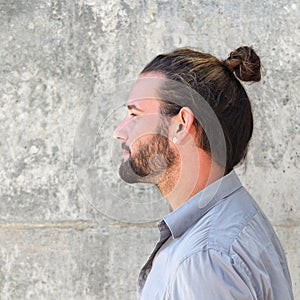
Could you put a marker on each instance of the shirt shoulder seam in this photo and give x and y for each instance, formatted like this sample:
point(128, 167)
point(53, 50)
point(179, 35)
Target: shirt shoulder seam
point(186, 258)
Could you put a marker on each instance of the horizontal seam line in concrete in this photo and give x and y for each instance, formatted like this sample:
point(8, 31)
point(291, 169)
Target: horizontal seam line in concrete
point(127, 224)
point(288, 223)
point(86, 224)
point(75, 224)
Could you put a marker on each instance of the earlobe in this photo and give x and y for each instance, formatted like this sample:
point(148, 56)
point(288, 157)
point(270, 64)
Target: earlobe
point(185, 118)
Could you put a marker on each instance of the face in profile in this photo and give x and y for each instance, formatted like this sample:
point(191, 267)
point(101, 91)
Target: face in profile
point(147, 152)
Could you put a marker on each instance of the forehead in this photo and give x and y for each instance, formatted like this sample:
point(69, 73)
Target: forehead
point(144, 94)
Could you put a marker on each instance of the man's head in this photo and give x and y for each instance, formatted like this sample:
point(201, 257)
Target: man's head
point(147, 151)
point(174, 85)
point(216, 82)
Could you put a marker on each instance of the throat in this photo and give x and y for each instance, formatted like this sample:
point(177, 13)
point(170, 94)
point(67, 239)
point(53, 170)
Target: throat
point(185, 179)
point(169, 181)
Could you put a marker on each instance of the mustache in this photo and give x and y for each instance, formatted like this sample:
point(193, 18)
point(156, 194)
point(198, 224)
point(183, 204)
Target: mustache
point(125, 147)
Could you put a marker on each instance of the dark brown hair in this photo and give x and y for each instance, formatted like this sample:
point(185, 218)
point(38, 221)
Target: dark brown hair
point(217, 82)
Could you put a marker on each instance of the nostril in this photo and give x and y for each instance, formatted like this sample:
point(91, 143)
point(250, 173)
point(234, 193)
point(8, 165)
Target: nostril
point(118, 135)
point(121, 132)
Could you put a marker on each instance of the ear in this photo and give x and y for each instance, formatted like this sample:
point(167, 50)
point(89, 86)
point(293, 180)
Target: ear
point(185, 119)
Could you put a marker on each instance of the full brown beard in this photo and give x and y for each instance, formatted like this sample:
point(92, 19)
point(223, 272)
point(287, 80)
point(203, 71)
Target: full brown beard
point(150, 162)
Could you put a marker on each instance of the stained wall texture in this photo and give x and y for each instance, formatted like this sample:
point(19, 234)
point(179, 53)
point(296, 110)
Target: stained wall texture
point(69, 228)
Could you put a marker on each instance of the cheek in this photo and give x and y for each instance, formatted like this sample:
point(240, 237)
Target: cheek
point(140, 138)
point(141, 143)
point(145, 125)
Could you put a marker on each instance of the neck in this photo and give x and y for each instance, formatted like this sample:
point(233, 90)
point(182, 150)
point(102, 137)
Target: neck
point(192, 173)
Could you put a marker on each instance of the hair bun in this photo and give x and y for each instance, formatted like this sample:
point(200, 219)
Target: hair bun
point(245, 64)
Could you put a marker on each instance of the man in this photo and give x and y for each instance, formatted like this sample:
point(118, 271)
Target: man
point(189, 123)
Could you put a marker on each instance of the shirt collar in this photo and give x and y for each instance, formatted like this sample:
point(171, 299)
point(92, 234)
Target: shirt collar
point(191, 211)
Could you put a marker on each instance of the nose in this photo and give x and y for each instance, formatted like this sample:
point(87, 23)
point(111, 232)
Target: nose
point(121, 133)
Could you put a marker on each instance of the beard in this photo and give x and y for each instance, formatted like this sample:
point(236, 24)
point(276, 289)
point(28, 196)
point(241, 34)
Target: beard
point(150, 162)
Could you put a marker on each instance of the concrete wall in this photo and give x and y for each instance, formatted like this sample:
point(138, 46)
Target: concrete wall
point(69, 229)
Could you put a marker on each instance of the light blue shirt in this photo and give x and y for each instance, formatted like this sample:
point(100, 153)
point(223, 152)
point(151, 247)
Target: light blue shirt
point(217, 245)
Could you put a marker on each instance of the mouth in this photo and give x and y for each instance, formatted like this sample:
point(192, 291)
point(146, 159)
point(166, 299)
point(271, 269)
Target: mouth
point(125, 155)
point(126, 151)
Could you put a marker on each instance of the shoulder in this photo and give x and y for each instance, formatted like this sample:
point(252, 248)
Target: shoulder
point(212, 273)
point(231, 217)
point(222, 224)
point(234, 244)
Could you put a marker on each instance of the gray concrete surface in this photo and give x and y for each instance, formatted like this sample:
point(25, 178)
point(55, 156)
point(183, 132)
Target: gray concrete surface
point(68, 227)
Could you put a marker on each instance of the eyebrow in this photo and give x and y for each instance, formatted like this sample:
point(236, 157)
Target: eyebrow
point(132, 106)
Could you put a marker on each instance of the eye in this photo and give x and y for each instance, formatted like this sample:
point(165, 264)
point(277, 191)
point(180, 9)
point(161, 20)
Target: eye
point(133, 115)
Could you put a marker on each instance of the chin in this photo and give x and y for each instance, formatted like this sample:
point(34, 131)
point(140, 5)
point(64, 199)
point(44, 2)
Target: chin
point(131, 174)
point(127, 173)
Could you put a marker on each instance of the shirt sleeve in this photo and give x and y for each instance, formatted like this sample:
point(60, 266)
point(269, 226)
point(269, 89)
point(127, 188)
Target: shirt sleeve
point(209, 275)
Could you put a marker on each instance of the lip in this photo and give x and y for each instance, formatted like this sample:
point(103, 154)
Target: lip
point(126, 151)
point(125, 154)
